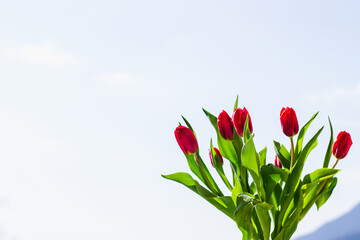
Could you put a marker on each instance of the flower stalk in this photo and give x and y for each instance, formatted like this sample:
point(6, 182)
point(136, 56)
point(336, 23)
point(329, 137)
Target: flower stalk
point(292, 152)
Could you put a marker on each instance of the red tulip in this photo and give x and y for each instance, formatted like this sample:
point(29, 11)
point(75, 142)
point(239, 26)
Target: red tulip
point(225, 126)
point(342, 145)
point(239, 119)
point(277, 162)
point(186, 140)
point(289, 122)
point(217, 154)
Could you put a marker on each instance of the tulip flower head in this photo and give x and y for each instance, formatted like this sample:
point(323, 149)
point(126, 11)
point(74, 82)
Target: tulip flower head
point(217, 152)
point(342, 145)
point(289, 122)
point(239, 119)
point(186, 140)
point(225, 126)
point(277, 162)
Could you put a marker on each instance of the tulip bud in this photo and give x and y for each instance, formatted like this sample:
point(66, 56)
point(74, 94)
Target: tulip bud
point(225, 126)
point(342, 145)
point(186, 140)
point(217, 152)
point(289, 122)
point(277, 162)
point(239, 119)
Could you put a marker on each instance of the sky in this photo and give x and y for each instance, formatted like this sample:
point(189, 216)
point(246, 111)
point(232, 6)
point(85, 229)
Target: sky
point(91, 92)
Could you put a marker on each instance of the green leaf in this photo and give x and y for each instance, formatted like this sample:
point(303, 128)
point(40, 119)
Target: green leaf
point(280, 236)
point(269, 185)
point(245, 234)
point(271, 175)
point(283, 154)
point(275, 172)
point(292, 217)
point(227, 150)
point(249, 156)
point(329, 148)
point(313, 195)
point(194, 166)
point(264, 205)
point(243, 211)
point(236, 190)
point(275, 215)
point(249, 159)
point(298, 167)
point(224, 204)
point(212, 119)
point(262, 211)
point(301, 136)
point(183, 178)
point(298, 204)
point(211, 184)
point(188, 124)
point(320, 175)
point(309, 195)
point(294, 177)
point(237, 145)
point(312, 147)
point(290, 230)
point(247, 133)
point(252, 188)
point(257, 232)
point(262, 157)
point(286, 233)
point(242, 171)
point(236, 103)
point(278, 192)
point(325, 195)
point(313, 179)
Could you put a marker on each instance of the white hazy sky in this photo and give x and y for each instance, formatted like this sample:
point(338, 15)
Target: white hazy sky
point(91, 91)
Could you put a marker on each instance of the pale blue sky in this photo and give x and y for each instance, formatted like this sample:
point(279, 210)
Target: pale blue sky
point(91, 91)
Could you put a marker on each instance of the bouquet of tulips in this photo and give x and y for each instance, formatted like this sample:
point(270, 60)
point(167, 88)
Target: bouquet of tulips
point(267, 201)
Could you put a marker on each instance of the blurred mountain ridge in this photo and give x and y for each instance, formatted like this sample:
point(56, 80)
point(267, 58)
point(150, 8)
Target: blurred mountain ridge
point(345, 227)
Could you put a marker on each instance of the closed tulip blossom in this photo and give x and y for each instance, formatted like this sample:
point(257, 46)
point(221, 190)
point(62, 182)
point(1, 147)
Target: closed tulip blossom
point(186, 140)
point(225, 126)
point(290, 127)
point(217, 152)
point(342, 145)
point(277, 162)
point(289, 122)
point(239, 119)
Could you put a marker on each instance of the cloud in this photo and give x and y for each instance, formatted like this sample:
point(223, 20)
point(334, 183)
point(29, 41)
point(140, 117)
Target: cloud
point(43, 54)
point(335, 92)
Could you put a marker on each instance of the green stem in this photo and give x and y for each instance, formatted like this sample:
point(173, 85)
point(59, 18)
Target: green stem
point(215, 190)
point(224, 178)
point(292, 152)
point(233, 171)
point(337, 160)
point(322, 186)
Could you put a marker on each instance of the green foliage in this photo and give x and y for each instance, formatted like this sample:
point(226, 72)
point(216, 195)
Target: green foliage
point(224, 204)
point(283, 154)
point(329, 149)
point(265, 201)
